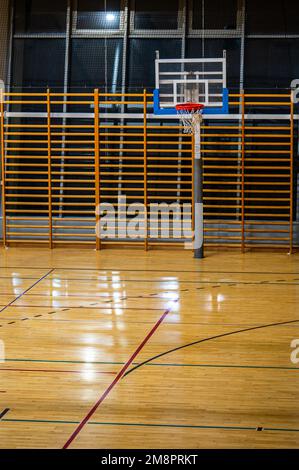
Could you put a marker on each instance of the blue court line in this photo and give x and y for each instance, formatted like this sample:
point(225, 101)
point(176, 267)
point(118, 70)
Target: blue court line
point(157, 364)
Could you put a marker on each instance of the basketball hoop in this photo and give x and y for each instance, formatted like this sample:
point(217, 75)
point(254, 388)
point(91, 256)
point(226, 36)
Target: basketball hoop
point(190, 114)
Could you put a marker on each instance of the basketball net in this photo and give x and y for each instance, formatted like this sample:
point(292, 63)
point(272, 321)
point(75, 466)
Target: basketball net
point(190, 115)
point(191, 118)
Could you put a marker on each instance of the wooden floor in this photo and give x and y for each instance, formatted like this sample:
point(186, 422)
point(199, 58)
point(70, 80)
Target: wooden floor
point(75, 321)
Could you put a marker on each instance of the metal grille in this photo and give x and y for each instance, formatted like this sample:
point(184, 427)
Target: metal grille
point(59, 164)
point(248, 175)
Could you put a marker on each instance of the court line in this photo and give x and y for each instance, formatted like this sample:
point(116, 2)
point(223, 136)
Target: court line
point(114, 321)
point(152, 270)
point(94, 296)
point(25, 291)
point(17, 320)
point(87, 307)
point(118, 377)
point(181, 281)
point(194, 426)
point(170, 271)
point(163, 425)
point(227, 366)
point(61, 361)
point(208, 284)
point(151, 296)
point(159, 281)
point(57, 371)
point(19, 277)
point(3, 413)
point(50, 421)
point(156, 364)
point(210, 338)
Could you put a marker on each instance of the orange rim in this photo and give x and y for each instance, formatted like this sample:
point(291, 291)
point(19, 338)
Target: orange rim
point(189, 107)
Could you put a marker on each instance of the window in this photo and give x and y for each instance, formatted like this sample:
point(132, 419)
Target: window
point(96, 63)
point(142, 59)
point(271, 63)
point(214, 48)
point(218, 14)
point(98, 14)
point(34, 16)
point(268, 17)
point(38, 62)
point(155, 14)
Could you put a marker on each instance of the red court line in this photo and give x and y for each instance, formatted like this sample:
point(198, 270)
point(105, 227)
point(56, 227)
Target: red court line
point(57, 371)
point(3, 413)
point(117, 378)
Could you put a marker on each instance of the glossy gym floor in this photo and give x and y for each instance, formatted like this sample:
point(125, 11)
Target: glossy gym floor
point(123, 348)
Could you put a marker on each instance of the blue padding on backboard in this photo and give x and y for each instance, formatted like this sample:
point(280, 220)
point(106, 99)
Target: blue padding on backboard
point(168, 111)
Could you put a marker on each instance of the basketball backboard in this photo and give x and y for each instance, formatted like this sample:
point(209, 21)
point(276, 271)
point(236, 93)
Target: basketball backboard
point(190, 80)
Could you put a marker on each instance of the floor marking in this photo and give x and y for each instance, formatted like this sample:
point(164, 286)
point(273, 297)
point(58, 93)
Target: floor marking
point(247, 428)
point(150, 270)
point(15, 420)
point(210, 338)
point(19, 277)
point(118, 377)
point(287, 282)
point(161, 280)
point(91, 308)
point(57, 371)
point(115, 321)
point(62, 361)
point(156, 296)
point(25, 291)
point(3, 413)
point(154, 425)
point(226, 366)
point(155, 364)
point(67, 309)
point(281, 429)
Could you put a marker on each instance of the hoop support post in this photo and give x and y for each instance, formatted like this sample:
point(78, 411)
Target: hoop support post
point(198, 195)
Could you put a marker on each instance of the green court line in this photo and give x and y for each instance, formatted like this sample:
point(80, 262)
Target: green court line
point(13, 420)
point(192, 426)
point(62, 361)
point(225, 366)
point(282, 429)
point(158, 364)
point(248, 428)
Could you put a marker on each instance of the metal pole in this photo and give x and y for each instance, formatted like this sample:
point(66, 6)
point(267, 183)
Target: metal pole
point(198, 195)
